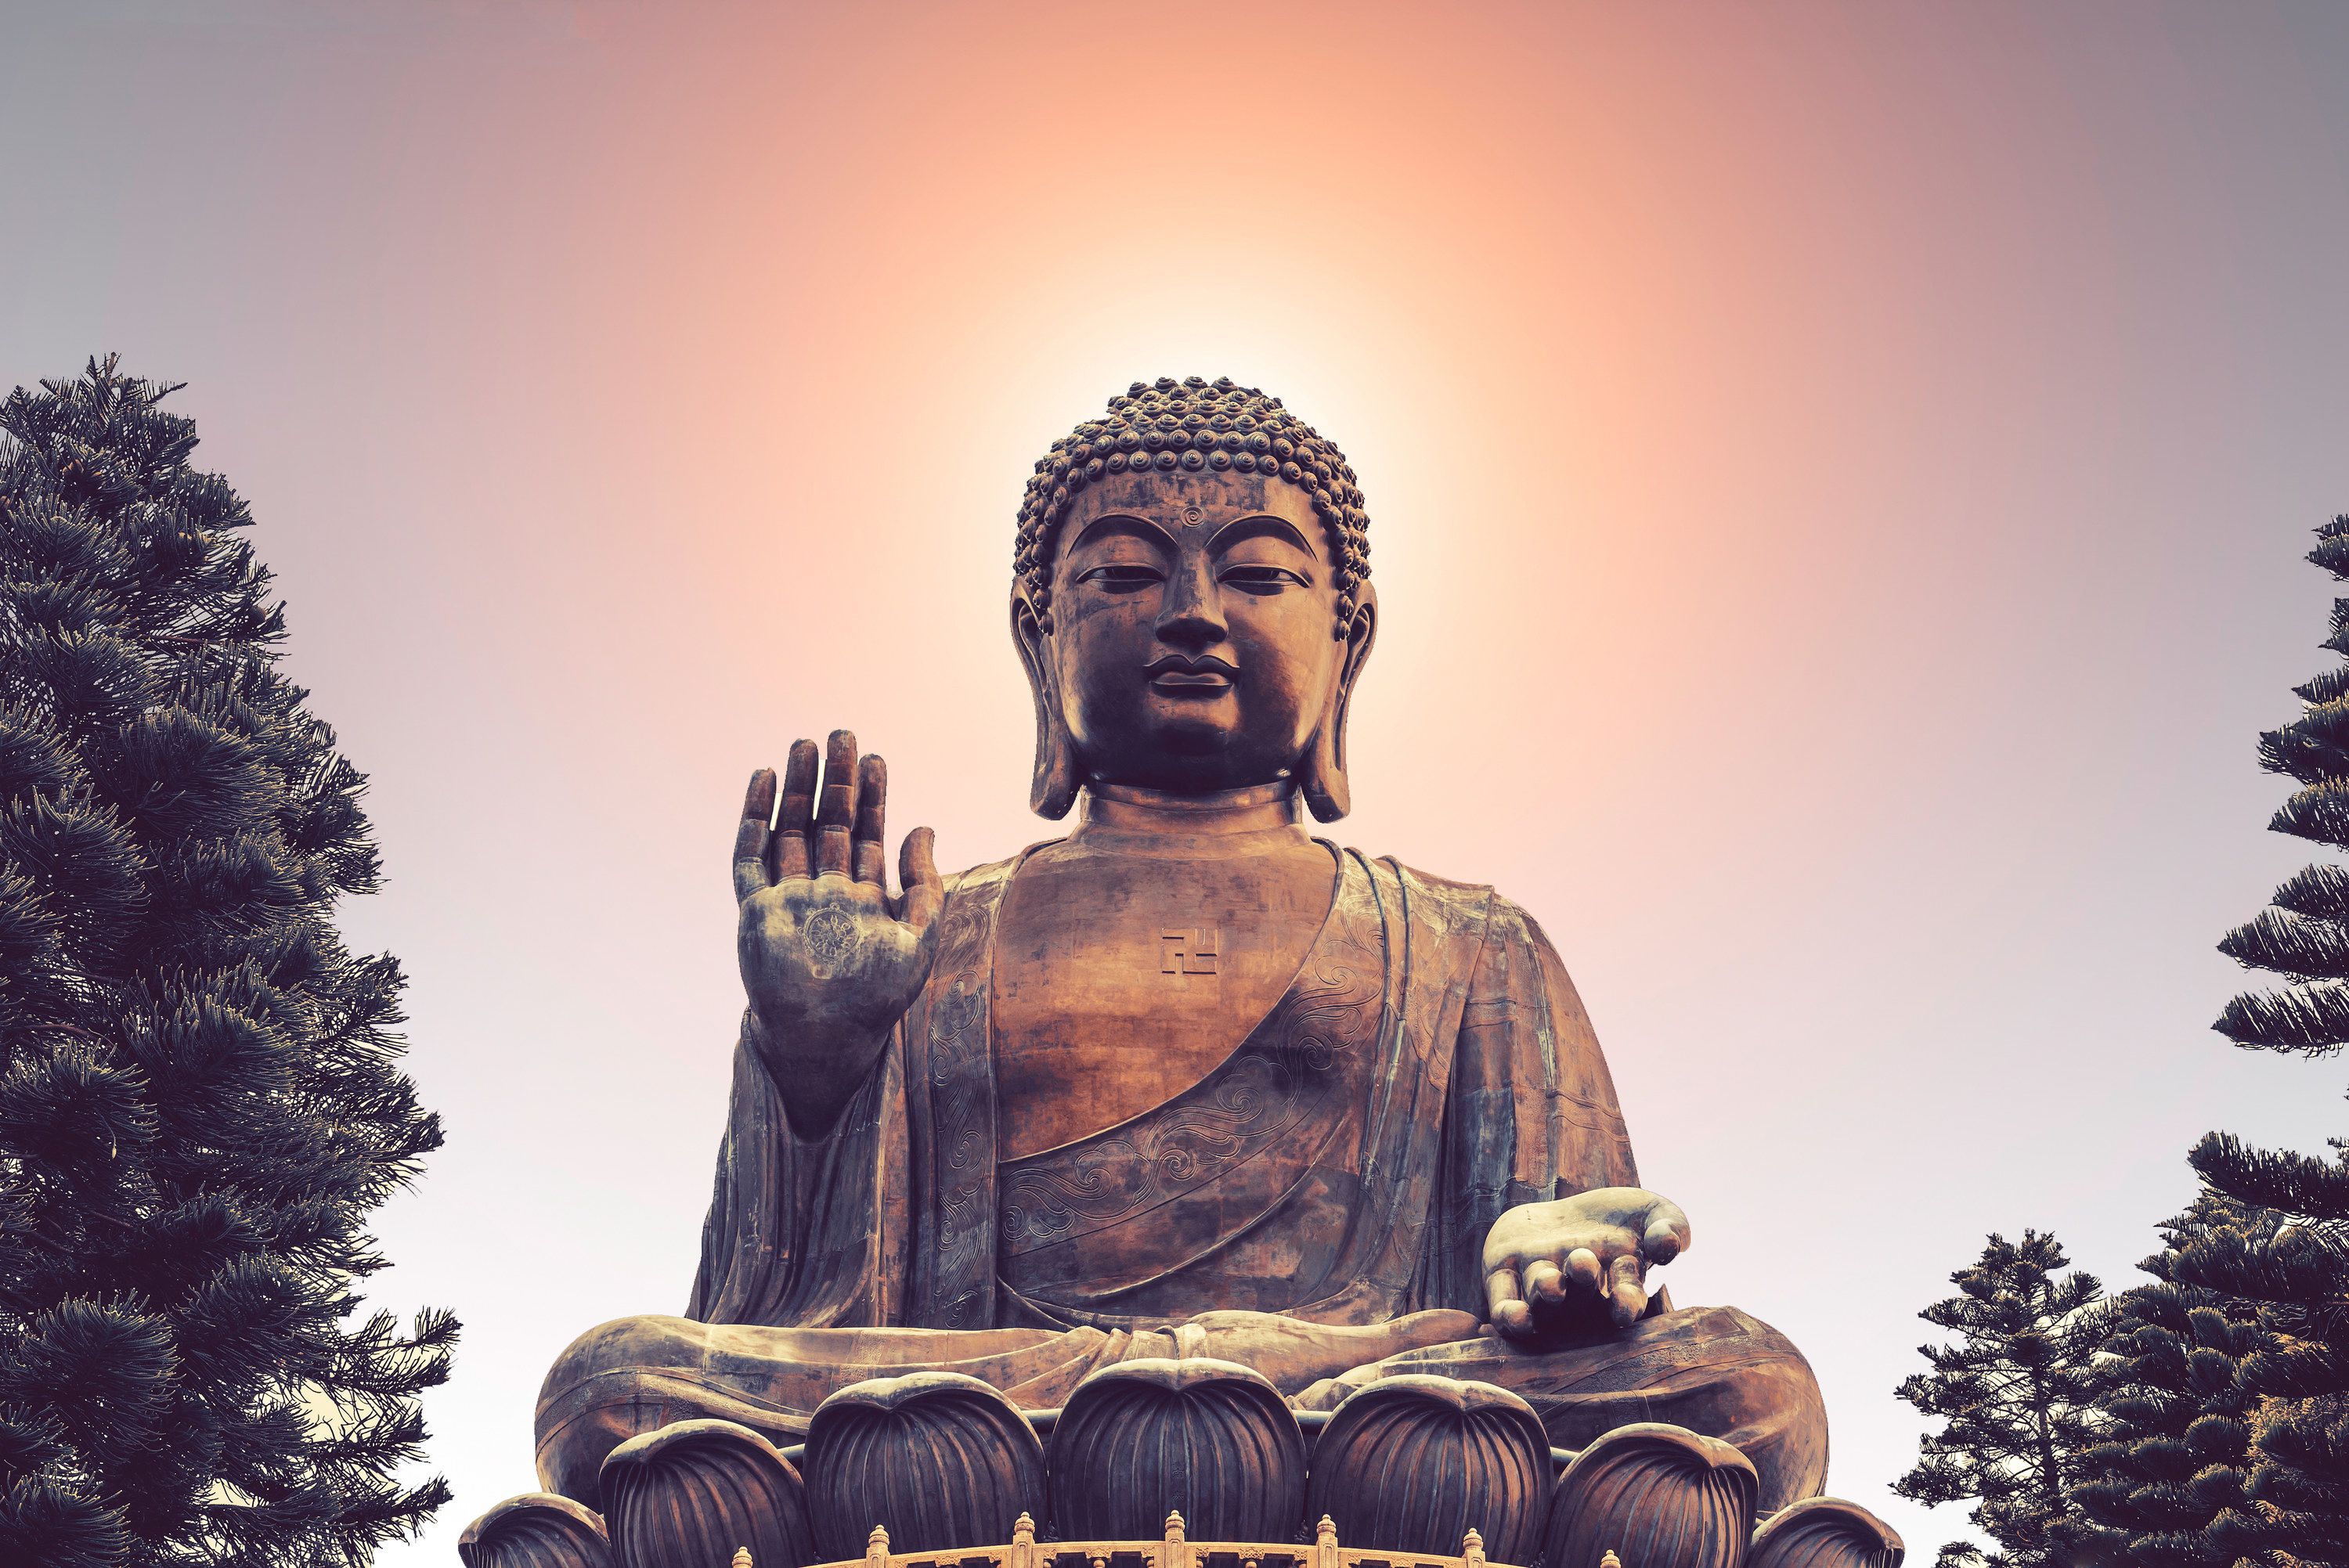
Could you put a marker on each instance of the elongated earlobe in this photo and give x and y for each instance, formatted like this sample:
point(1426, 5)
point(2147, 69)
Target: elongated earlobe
point(1053, 788)
point(1326, 791)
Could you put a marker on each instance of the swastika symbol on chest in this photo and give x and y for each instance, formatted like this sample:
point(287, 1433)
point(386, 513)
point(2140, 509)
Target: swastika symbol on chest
point(1187, 950)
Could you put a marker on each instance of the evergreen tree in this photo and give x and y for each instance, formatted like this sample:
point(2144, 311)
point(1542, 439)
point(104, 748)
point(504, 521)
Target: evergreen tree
point(198, 1101)
point(2177, 1435)
point(2294, 1379)
point(2230, 1393)
point(2283, 1496)
point(2303, 935)
point(2016, 1396)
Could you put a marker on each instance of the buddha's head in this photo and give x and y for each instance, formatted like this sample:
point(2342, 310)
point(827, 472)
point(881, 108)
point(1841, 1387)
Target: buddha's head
point(1190, 599)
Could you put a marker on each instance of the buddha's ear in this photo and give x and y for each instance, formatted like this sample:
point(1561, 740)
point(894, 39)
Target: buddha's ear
point(1324, 782)
point(1054, 787)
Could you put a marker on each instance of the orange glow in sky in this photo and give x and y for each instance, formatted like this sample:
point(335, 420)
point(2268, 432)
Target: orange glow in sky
point(1836, 473)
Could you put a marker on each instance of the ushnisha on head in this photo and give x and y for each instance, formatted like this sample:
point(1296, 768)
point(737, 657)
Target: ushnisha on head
point(1185, 427)
point(1190, 599)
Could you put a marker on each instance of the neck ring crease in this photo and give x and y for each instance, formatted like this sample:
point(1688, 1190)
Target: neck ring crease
point(1132, 808)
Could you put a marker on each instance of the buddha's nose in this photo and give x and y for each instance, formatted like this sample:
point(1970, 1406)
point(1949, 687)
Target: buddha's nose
point(1192, 619)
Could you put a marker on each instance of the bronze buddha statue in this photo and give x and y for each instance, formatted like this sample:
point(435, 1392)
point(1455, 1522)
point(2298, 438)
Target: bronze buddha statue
point(1188, 1081)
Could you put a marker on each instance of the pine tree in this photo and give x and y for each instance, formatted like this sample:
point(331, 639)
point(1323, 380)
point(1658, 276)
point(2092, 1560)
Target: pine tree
point(2294, 1379)
point(2304, 934)
point(2016, 1394)
point(198, 1101)
point(2229, 1398)
point(2289, 1272)
point(2177, 1436)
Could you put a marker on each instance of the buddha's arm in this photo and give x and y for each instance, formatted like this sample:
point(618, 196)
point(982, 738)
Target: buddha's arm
point(1555, 1221)
point(1587, 1146)
point(801, 1232)
point(1530, 1114)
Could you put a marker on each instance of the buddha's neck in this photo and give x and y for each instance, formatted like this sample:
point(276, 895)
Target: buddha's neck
point(1126, 819)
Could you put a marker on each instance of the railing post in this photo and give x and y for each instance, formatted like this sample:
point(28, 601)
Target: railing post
point(1024, 1543)
point(1325, 1543)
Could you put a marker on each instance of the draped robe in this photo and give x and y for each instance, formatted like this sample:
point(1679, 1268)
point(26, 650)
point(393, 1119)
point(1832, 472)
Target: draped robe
point(1428, 1066)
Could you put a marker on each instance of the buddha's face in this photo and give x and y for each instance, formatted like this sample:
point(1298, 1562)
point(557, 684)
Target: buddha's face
point(1192, 640)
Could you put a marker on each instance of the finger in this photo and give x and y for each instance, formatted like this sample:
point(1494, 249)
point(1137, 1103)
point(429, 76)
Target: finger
point(1626, 1299)
point(1668, 1235)
point(750, 837)
point(789, 849)
point(837, 810)
point(1421, 1330)
point(1505, 1309)
point(872, 806)
point(1544, 1285)
point(917, 875)
point(1583, 1264)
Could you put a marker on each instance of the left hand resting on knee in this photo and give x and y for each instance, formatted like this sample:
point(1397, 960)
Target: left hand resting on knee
point(1578, 1263)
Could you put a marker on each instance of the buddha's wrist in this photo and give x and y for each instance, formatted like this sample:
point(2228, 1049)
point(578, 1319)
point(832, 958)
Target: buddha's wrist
point(816, 1065)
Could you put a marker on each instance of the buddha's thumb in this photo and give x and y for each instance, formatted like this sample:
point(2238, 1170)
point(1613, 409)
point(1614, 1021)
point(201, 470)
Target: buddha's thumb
point(1419, 1330)
point(1666, 1238)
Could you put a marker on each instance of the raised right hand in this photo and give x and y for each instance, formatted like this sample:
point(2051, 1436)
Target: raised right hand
point(829, 961)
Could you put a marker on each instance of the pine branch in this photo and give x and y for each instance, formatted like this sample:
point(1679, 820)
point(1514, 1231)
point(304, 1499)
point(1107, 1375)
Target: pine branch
point(2311, 1019)
point(2332, 551)
point(2290, 1183)
point(2290, 944)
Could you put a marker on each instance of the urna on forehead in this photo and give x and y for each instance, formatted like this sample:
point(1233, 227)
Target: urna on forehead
point(1193, 425)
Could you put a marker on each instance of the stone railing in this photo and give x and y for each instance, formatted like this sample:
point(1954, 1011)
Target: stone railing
point(1170, 1550)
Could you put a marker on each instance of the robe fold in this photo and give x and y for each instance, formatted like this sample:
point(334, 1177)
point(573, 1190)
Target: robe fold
point(1429, 1067)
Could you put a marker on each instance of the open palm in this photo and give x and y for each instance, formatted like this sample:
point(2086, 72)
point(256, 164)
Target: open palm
point(830, 960)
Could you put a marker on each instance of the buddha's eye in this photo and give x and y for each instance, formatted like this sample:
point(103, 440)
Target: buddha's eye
point(1261, 580)
point(1120, 576)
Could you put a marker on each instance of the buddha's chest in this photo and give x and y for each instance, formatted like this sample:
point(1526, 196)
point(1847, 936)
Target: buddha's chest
point(1120, 981)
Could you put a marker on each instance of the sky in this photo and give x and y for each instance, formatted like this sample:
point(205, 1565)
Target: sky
point(1838, 475)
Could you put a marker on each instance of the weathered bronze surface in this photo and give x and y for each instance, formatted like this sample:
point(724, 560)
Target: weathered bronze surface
point(536, 1530)
point(1187, 1082)
point(936, 1459)
point(1824, 1533)
point(1654, 1493)
point(693, 1492)
point(1212, 1440)
point(1411, 1463)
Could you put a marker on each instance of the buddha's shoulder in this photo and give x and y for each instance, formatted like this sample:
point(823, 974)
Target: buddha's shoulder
point(1461, 903)
point(1425, 884)
point(991, 874)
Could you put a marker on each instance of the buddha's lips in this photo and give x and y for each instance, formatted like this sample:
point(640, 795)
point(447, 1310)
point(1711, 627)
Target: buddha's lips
point(1205, 673)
